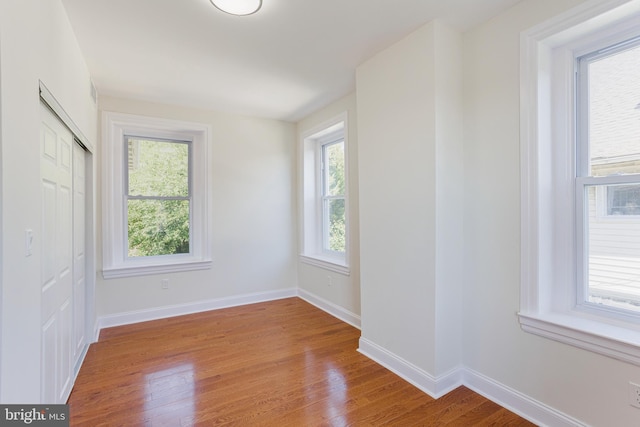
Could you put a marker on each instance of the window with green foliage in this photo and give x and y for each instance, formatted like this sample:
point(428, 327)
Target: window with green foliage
point(158, 197)
point(333, 196)
point(325, 208)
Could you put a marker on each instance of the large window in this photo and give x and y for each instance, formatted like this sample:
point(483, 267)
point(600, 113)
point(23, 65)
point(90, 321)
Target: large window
point(580, 145)
point(158, 197)
point(608, 149)
point(325, 208)
point(156, 204)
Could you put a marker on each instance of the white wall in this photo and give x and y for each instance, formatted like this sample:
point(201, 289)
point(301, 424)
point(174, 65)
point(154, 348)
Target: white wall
point(344, 292)
point(36, 43)
point(396, 127)
point(406, 144)
point(254, 220)
point(410, 145)
point(584, 385)
point(449, 204)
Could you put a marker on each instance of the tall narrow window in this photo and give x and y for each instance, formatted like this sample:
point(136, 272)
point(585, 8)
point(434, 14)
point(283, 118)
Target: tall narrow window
point(156, 208)
point(325, 196)
point(334, 219)
point(608, 177)
point(580, 180)
point(158, 197)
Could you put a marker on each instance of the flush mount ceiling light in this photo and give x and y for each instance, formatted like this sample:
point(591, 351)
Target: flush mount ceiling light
point(238, 7)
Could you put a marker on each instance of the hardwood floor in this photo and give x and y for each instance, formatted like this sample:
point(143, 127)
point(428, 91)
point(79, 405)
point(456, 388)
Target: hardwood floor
point(280, 363)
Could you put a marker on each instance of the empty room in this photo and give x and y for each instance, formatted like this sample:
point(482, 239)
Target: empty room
point(259, 212)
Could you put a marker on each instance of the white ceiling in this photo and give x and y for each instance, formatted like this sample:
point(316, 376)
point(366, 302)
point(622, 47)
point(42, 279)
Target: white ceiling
point(289, 59)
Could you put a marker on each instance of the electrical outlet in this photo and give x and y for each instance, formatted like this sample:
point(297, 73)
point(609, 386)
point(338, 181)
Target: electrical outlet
point(634, 395)
point(329, 281)
point(165, 283)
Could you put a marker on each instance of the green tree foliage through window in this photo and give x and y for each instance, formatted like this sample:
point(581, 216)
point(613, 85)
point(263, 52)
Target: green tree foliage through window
point(158, 197)
point(334, 196)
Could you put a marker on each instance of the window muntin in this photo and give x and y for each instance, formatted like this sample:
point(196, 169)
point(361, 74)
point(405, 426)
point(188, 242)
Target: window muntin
point(333, 197)
point(608, 150)
point(158, 197)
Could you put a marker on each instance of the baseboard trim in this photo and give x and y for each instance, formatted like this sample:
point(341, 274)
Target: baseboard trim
point(519, 403)
point(435, 387)
point(137, 316)
point(96, 331)
point(331, 308)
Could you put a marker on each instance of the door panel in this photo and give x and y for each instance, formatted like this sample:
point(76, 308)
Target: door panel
point(57, 258)
point(49, 347)
point(65, 351)
point(79, 252)
point(50, 301)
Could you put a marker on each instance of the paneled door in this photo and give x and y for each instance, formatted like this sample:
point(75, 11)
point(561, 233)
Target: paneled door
point(56, 150)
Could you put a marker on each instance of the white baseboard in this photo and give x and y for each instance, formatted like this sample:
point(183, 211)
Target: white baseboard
point(130, 317)
point(435, 387)
point(96, 331)
point(519, 403)
point(331, 308)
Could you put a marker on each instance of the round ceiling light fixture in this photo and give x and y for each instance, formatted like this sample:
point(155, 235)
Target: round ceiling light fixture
point(238, 7)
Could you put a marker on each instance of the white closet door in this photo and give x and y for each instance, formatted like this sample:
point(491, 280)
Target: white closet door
point(57, 258)
point(79, 253)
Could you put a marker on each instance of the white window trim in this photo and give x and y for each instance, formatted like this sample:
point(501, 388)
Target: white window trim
point(115, 262)
point(548, 287)
point(312, 227)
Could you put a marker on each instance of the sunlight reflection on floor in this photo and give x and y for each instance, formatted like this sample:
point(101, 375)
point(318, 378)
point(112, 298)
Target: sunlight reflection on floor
point(169, 396)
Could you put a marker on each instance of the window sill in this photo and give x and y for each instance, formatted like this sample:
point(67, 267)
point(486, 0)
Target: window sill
point(615, 341)
point(336, 265)
point(149, 269)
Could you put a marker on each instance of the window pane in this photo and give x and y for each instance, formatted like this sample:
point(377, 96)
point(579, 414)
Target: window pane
point(158, 227)
point(337, 229)
point(613, 256)
point(623, 199)
point(158, 168)
point(334, 161)
point(614, 113)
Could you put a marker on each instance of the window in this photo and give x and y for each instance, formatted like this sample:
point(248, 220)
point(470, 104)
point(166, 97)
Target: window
point(158, 197)
point(325, 209)
point(333, 201)
point(608, 146)
point(155, 181)
point(580, 145)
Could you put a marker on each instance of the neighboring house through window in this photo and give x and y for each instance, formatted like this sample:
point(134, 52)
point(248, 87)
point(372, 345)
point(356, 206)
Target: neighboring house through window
point(580, 144)
point(325, 200)
point(156, 205)
point(608, 176)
